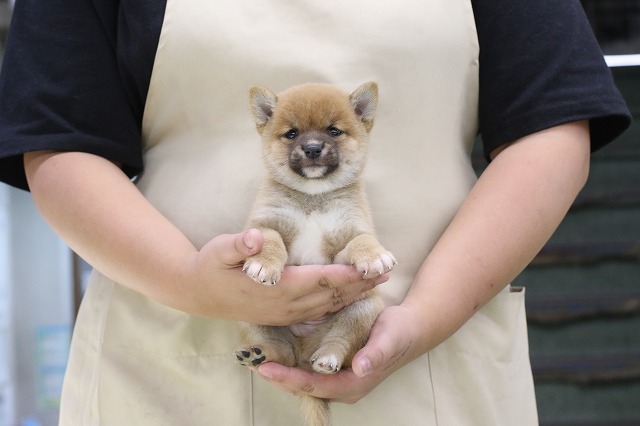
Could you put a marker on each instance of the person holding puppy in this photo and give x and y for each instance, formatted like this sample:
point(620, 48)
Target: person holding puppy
point(95, 93)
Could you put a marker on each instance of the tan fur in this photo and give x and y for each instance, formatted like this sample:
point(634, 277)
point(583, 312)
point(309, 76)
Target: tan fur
point(312, 209)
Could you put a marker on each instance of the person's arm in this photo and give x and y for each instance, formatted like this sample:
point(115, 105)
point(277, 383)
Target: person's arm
point(512, 211)
point(102, 216)
point(507, 217)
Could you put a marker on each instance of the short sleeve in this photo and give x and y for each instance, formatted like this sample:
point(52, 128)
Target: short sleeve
point(541, 66)
point(64, 84)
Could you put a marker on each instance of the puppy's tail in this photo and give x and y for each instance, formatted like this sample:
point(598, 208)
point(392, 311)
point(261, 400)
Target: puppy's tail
point(315, 411)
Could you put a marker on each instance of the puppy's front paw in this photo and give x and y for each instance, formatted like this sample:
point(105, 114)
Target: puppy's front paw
point(367, 255)
point(263, 270)
point(375, 265)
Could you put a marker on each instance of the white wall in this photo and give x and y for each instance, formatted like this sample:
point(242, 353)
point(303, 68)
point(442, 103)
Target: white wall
point(7, 411)
point(40, 291)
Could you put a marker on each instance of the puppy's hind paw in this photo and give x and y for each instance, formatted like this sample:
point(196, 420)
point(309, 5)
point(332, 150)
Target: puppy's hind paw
point(250, 357)
point(326, 364)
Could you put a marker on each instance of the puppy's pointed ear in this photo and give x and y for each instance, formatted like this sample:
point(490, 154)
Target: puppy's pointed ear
point(365, 101)
point(263, 102)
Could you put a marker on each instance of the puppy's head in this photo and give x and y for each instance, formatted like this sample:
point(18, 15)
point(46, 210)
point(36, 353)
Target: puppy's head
point(314, 135)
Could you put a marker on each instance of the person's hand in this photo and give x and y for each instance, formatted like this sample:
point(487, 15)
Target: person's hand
point(303, 293)
point(396, 339)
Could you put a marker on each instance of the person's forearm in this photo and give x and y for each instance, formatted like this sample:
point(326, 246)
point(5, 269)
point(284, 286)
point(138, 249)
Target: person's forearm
point(102, 216)
point(509, 215)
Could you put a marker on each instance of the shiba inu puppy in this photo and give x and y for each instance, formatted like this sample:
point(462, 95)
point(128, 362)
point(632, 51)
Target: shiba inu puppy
point(312, 209)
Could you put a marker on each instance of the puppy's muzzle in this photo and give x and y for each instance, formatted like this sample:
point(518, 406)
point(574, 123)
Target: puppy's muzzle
point(314, 155)
point(313, 149)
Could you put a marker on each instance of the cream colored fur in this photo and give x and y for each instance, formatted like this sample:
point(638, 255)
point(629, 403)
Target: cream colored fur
point(312, 209)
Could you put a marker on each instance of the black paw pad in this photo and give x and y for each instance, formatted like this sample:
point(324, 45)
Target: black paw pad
point(250, 357)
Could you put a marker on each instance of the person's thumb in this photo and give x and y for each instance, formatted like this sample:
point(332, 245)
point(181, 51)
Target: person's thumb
point(375, 354)
point(234, 249)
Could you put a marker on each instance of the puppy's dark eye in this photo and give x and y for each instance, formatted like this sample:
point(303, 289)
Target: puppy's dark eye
point(334, 131)
point(291, 134)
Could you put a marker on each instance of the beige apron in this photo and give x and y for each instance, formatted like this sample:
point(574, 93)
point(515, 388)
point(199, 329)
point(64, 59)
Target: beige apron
point(135, 362)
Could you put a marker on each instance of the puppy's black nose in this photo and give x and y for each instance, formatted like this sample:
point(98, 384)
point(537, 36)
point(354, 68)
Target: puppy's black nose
point(313, 149)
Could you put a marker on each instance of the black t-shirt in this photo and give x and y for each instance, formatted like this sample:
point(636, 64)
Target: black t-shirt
point(76, 74)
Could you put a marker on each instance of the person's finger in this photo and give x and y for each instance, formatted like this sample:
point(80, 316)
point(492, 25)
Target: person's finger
point(332, 281)
point(298, 381)
point(343, 386)
point(288, 379)
point(354, 292)
point(321, 277)
point(233, 249)
point(316, 304)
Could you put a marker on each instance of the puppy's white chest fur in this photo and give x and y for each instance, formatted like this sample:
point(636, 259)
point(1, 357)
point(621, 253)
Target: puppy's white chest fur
point(308, 244)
